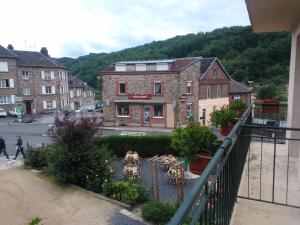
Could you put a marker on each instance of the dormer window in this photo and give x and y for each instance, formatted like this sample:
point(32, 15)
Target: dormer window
point(140, 67)
point(162, 66)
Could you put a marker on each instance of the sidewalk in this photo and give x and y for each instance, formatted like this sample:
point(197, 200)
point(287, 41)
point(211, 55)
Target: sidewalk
point(6, 164)
point(140, 129)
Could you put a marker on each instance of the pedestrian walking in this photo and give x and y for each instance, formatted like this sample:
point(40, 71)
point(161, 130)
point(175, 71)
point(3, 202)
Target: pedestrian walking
point(19, 147)
point(3, 147)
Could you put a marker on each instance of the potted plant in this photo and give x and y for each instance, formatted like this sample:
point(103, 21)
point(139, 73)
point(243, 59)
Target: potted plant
point(197, 144)
point(224, 117)
point(239, 106)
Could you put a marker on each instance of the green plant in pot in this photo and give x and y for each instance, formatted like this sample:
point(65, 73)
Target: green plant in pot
point(224, 117)
point(239, 106)
point(197, 144)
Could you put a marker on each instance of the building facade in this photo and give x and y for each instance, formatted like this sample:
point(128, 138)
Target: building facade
point(81, 94)
point(37, 82)
point(163, 93)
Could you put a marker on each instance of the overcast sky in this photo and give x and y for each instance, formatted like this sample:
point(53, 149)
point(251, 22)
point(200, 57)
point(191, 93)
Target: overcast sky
point(77, 27)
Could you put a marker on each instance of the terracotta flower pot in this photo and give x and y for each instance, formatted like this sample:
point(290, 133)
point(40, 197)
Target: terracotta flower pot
point(198, 165)
point(225, 130)
point(240, 112)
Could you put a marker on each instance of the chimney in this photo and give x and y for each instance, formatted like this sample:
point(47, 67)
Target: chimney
point(44, 51)
point(10, 47)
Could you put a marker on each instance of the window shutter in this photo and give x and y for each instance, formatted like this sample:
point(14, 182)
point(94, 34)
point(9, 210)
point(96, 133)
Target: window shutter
point(43, 90)
point(43, 75)
point(54, 104)
point(52, 75)
point(53, 89)
point(12, 99)
point(11, 83)
point(45, 104)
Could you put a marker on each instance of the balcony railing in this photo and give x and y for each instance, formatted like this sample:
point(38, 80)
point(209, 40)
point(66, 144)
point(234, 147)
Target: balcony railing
point(212, 198)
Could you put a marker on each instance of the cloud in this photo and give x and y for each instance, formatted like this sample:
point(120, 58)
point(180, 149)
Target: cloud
point(76, 27)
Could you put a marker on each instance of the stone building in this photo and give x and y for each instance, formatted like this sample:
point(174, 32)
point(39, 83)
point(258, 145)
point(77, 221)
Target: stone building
point(163, 93)
point(81, 94)
point(36, 81)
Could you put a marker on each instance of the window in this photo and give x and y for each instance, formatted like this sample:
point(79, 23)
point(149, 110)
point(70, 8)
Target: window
point(25, 75)
point(157, 88)
point(48, 90)
point(236, 97)
point(71, 94)
point(49, 104)
point(3, 67)
point(218, 91)
point(26, 91)
point(208, 94)
point(122, 88)
point(189, 87)
point(189, 108)
point(158, 110)
point(123, 110)
point(4, 83)
point(47, 75)
point(5, 99)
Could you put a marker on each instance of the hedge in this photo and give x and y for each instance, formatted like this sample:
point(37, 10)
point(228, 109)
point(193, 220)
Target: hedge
point(146, 146)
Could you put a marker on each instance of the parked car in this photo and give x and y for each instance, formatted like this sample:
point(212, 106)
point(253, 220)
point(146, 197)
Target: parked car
point(3, 113)
point(13, 112)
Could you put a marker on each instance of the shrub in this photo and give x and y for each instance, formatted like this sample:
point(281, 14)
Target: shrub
point(35, 221)
point(237, 105)
point(129, 191)
point(194, 139)
point(38, 158)
point(75, 159)
point(158, 212)
point(146, 146)
point(223, 117)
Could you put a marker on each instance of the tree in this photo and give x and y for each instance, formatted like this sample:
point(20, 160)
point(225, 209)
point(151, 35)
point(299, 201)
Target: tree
point(267, 92)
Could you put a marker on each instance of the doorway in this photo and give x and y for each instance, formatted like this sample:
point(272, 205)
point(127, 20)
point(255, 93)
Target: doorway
point(146, 114)
point(28, 107)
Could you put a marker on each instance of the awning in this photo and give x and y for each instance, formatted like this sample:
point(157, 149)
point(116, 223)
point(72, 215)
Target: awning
point(140, 101)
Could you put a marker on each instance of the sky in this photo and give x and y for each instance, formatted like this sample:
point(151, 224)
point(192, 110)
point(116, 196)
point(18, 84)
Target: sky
point(72, 28)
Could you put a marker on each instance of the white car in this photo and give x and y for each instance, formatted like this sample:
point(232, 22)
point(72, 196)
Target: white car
point(3, 113)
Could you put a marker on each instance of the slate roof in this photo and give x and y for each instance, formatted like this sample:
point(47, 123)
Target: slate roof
point(36, 59)
point(76, 82)
point(206, 63)
point(236, 87)
point(4, 53)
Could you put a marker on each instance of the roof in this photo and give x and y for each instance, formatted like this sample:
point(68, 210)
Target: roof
point(206, 63)
point(236, 87)
point(4, 53)
point(35, 59)
point(76, 82)
point(176, 66)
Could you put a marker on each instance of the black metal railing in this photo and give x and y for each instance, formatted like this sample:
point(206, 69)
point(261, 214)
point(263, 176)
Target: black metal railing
point(272, 165)
point(212, 198)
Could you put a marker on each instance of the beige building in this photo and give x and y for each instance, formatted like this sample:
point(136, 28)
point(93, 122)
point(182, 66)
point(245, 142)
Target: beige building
point(81, 94)
point(163, 93)
point(35, 81)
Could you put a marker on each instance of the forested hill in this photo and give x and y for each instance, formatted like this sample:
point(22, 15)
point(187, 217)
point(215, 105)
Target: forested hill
point(262, 57)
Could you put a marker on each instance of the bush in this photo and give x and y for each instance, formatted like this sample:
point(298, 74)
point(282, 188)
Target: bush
point(194, 139)
point(146, 146)
point(223, 117)
point(158, 212)
point(38, 158)
point(75, 159)
point(237, 105)
point(129, 191)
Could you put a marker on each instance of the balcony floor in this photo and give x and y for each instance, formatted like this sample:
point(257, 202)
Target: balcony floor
point(249, 212)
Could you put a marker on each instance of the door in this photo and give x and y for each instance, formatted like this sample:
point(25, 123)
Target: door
point(146, 114)
point(28, 107)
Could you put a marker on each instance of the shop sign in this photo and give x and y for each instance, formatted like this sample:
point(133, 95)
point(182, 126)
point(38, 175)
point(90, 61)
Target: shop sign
point(183, 98)
point(139, 96)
